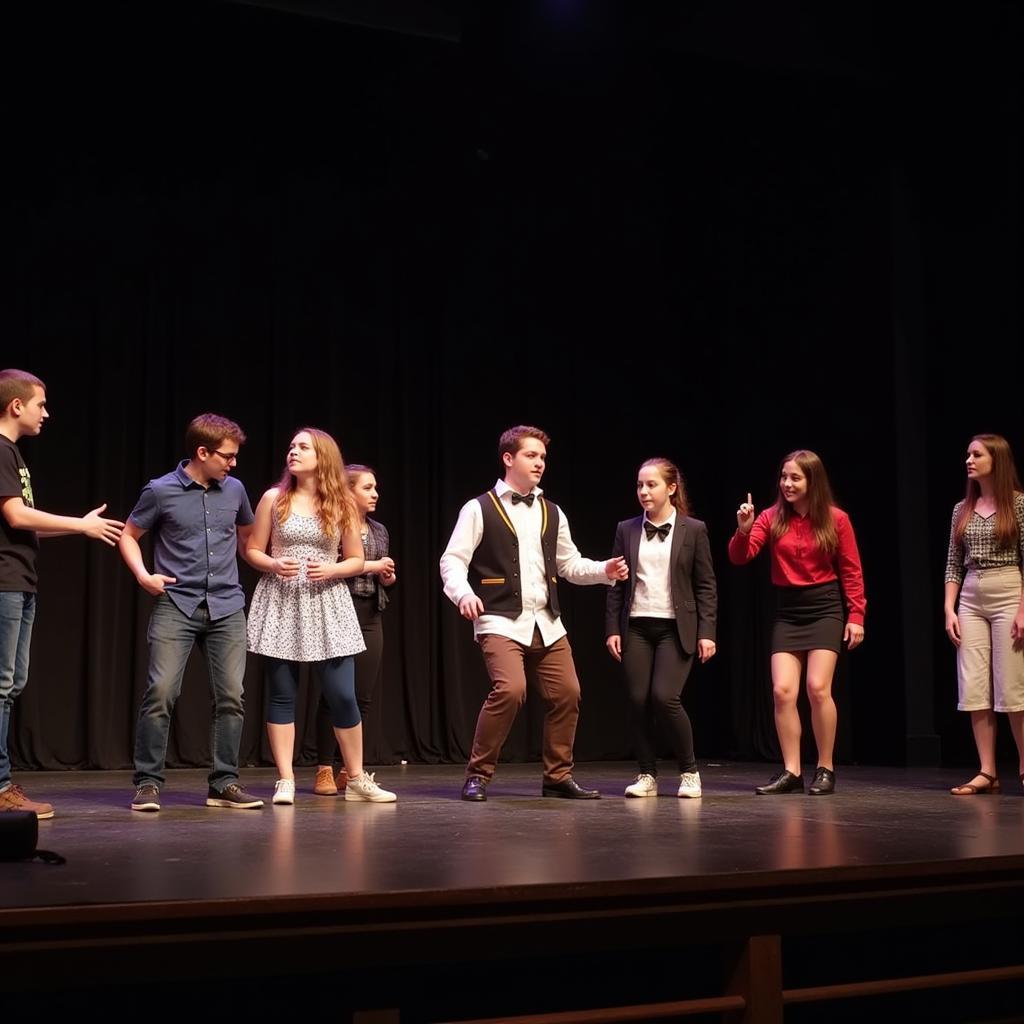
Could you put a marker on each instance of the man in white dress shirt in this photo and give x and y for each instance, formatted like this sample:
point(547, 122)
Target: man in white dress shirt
point(501, 570)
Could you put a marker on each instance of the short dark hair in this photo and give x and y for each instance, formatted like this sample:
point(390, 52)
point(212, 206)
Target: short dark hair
point(17, 384)
point(207, 431)
point(512, 440)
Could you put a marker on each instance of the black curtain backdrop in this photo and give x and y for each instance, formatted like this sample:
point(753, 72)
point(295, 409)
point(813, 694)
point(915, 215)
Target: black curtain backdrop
point(691, 231)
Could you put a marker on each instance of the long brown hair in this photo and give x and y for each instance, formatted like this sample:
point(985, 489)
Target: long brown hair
point(334, 505)
point(819, 501)
point(1005, 483)
point(670, 474)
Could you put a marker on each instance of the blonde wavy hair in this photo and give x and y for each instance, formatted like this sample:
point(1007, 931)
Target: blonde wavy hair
point(335, 507)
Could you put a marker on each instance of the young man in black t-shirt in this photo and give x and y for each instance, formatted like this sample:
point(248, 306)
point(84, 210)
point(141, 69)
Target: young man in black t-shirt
point(22, 414)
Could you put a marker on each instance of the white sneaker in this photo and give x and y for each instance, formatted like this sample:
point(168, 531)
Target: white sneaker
point(689, 784)
point(362, 787)
point(645, 785)
point(284, 791)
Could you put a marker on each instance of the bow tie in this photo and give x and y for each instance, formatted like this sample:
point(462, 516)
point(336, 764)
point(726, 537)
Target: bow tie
point(527, 499)
point(662, 531)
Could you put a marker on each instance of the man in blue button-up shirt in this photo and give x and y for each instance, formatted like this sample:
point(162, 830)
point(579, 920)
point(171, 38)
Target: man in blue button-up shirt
point(198, 514)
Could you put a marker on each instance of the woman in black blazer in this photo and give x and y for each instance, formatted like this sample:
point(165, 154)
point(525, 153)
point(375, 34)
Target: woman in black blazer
point(658, 618)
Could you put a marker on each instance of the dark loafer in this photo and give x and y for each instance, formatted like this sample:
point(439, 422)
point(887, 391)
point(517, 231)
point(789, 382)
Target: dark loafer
point(824, 782)
point(569, 789)
point(784, 782)
point(475, 789)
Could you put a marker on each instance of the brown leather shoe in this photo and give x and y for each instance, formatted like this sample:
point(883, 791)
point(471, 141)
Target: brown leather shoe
point(13, 799)
point(324, 784)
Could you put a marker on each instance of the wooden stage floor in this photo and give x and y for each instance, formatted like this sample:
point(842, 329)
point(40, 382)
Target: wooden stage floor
point(434, 884)
point(430, 840)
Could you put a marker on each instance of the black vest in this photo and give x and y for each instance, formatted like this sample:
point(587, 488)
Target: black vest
point(494, 571)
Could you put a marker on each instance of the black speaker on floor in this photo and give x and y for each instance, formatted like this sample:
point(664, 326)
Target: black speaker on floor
point(19, 833)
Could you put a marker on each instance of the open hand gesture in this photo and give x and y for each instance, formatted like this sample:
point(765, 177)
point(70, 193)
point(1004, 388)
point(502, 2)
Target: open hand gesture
point(106, 530)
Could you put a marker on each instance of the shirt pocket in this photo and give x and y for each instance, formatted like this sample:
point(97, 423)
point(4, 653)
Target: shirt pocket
point(222, 518)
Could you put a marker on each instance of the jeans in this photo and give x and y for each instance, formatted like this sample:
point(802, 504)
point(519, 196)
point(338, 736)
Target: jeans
point(17, 613)
point(171, 638)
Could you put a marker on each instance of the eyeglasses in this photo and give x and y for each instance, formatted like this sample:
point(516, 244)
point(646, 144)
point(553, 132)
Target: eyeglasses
point(226, 456)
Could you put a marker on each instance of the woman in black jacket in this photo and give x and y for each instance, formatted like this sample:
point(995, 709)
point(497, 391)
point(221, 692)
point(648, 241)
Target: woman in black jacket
point(660, 617)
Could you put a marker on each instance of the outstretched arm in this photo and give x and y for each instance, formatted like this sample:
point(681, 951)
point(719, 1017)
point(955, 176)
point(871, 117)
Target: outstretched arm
point(20, 516)
point(572, 566)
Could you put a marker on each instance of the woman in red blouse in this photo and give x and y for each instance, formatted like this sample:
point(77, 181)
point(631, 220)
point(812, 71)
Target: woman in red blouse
point(813, 552)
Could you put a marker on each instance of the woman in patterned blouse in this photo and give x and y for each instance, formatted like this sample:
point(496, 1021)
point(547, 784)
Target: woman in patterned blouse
point(369, 595)
point(986, 550)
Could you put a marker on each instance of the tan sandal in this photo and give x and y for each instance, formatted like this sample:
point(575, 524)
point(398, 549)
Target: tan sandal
point(968, 789)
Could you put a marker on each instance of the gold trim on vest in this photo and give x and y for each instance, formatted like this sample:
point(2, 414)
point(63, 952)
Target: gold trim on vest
point(504, 514)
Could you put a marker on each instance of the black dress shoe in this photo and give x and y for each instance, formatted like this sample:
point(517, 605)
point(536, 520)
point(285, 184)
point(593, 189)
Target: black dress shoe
point(570, 789)
point(475, 789)
point(784, 782)
point(824, 782)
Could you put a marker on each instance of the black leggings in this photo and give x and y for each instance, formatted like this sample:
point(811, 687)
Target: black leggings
point(656, 670)
point(368, 665)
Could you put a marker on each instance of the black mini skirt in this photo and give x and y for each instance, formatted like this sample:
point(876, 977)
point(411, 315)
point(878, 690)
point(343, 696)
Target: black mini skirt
point(808, 618)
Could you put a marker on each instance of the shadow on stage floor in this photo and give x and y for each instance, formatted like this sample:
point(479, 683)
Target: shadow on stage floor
point(432, 908)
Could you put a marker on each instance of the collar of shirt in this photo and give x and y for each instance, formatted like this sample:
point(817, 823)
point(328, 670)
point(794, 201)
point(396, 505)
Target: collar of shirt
point(501, 489)
point(186, 481)
point(671, 519)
